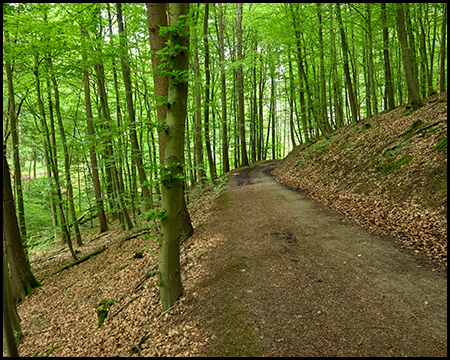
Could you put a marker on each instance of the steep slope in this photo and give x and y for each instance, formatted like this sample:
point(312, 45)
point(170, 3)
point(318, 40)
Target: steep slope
point(391, 179)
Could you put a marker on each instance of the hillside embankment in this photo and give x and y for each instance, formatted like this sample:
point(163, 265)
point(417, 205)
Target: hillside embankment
point(391, 179)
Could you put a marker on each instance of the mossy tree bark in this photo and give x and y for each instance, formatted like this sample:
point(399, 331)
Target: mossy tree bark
point(172, 195)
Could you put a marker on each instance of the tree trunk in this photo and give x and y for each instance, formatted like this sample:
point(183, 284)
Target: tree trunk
point(65, 231)
point(413, 88)
point(23, 280)
point(323, 88)
point(16, 159)
point(225, 158)
point(443, 51)
point(387, 62)
point(92, 152)
point(137, 154)
point(11, 322)
point(198, 145)
point(348, 80)
point(172, 185)
point(66, 154)
point(294, 13)
point(212, 165)
point(240, 79)
point(156, 18)
point(371, 71)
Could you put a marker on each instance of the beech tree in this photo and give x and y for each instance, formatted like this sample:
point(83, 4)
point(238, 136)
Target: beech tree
point(23, 280)
point(172, 176)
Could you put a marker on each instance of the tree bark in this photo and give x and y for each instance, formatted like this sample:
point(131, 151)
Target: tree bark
point(413, 88)
point(240, 80)
point(225, 158)
point(11, 322)
point(16, 159)
point(323, 88)
point(66, 154)
point(443, 52)
point(92, 152)
point(198, 144)
point(156, 18)
point(23, 280)
point(211, 161)
point(136, 152)
point(172, 185)
point(387, 61)
point(371, 70)
point(348, 80)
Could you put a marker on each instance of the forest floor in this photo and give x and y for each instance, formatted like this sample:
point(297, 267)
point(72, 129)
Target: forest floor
point(269, 271)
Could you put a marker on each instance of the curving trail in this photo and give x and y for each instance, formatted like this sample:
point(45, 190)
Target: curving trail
point(287, 277)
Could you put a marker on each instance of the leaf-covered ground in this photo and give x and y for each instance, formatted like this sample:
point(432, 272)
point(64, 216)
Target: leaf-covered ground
point(234, 291)
point(391, 179)
point(61, 314)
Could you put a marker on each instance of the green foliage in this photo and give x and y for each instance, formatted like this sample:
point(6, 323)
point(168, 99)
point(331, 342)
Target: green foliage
point(102, 310)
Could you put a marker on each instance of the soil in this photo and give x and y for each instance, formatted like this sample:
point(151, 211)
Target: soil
point(268, 272)
point(288, 277)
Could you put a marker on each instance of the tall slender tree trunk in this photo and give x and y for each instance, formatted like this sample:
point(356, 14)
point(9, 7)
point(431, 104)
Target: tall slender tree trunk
point(198, 143)
point(387, 61)
point(172, 187)
point(323, 86)
point(413, 88)
point(137, 154)
point(443, 51)
point(240, 80)
point(294, 13)
point(65, 232)
point(212, 165)
point(16, 159)
point(223, 93)
point(92, 152)
point(66, 154)
point(348, 80)
point(371, 70)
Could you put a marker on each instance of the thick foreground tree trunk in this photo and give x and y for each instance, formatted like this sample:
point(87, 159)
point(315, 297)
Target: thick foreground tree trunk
point(172, 194)
point(23, 280)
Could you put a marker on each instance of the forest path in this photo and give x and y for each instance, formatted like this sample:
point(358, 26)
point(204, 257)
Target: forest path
point(287, 277)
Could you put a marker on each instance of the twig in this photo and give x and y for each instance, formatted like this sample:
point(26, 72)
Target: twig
point(121, 308)
point(87, 257)
point(149, 275)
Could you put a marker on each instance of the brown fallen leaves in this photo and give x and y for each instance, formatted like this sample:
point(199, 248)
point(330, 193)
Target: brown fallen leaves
point(62, 312)
point(390, 179)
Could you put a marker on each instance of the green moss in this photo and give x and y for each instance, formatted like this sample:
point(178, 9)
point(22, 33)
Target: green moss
point(365, 126)
point(387, 166)
point(102, 310)
point(239, 338)
point(415, 125)
point(441, 144)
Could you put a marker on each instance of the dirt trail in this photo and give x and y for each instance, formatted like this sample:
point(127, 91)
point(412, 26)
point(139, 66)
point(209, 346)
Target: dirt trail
point(287, 277)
